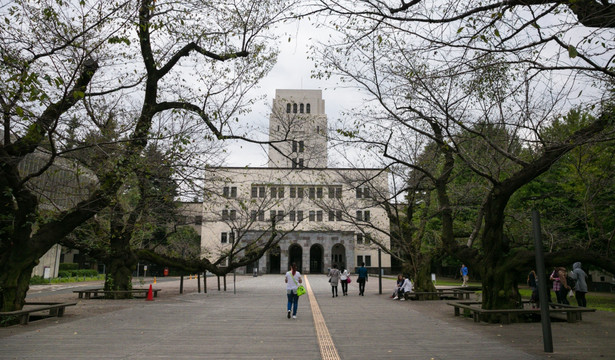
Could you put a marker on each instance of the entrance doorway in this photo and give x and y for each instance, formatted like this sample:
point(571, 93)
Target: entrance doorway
point(338, 256)
point(274, 261)
point(316, 259)
point(295, 255)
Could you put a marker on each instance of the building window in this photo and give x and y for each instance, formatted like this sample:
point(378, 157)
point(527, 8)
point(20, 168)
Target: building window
point(368, 260)
point(253, 214)
point(359, 260)
point(261, 215)
point(363, 193)
point(294, 108)
point(233, 214)
point(224, 215)
point(319, 192)
point(294, 163)
point(301, 146)
point(291, 215)
point(231, 237)
point(338, 215)
point(224, 238)
point(261, 192)
point(300, 192)
point(312, 192)
point(274, 192)
point(331, 215)
point(254, 191)
point(363, 215)
point(294, 146)
point(293, 192)
point(312, 215)
point(359, 238)
point(367, 239)
point(319, 215)
point(301, 108)
point(280, 215)
point(288, 108)
point(229, 191)
point(300, 215)
point(280, 192)
point(307, 108)
point(300, 163)
point(272, 215)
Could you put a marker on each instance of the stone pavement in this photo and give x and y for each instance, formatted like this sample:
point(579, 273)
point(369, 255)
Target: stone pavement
point(252, 324)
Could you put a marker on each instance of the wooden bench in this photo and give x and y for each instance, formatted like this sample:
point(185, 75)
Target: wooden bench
point(442, 294)
point(573, 313)
point(100, 293)
point(23, 315)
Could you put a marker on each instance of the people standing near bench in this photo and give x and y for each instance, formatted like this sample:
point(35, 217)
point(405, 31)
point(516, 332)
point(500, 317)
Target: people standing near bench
point(344, 280)
point(532, 282)
point(292, 279)
point(362, 279)
point(334, 278)
point(580, 287)
point(560, 286)
point(464, 275)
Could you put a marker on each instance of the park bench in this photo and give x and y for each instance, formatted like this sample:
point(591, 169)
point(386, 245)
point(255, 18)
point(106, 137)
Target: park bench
point(573, 313)
point(100, 293)
point(441, 294)
point(23, 315)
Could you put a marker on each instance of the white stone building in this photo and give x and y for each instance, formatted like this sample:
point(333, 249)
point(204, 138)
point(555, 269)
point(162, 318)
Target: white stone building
point(323, 216)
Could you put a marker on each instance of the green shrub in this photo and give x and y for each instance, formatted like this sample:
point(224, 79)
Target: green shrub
point(38, 280)
point(69, 266)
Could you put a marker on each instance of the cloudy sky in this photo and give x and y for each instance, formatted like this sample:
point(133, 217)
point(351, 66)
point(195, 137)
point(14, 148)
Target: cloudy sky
point(292, 71)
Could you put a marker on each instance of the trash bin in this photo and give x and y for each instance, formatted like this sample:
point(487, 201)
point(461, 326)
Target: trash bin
point(255, 272)
point(165, 272)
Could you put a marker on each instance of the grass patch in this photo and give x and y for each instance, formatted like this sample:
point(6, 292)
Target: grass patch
point(39, 280)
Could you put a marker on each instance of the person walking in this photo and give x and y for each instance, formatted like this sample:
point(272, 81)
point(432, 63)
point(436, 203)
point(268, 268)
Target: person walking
point(292, 279)
point(344, 280)
point(464, 275)
point(362, 279)
point(580, 286)
point(334, 278)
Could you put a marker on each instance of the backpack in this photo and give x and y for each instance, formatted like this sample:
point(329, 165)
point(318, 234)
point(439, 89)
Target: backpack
point(571, 282)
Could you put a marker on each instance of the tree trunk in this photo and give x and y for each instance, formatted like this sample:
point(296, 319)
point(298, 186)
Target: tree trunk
point(497, 272)
point(15, 273)
point(422, 279)
point(121, 264)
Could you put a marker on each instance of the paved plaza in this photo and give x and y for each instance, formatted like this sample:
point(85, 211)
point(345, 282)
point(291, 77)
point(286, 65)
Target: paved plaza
point(251, 323)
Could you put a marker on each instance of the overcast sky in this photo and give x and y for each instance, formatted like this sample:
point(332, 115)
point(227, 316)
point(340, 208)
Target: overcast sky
point(292, 71)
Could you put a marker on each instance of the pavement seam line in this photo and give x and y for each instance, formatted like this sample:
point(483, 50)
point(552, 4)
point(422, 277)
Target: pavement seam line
point(325, 342)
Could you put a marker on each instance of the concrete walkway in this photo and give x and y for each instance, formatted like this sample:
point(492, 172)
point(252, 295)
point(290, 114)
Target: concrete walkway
point(252, 324)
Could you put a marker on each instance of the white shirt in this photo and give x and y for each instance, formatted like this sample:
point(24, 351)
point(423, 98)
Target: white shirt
point(407, 285)
point(344, 275)
point(290, 283)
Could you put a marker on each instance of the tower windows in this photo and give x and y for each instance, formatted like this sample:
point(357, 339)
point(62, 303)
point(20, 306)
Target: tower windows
point(288, 108)
point(301, 108)
point(307, 108)
point(294, 108)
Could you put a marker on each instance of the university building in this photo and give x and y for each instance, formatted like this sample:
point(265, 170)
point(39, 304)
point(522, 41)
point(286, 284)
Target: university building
point(322, 216)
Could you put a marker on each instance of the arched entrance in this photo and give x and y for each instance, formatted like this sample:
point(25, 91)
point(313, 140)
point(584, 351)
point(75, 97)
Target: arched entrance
point(295, 255)
point(316, 259)
point(274, 261)
point(338, 256)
